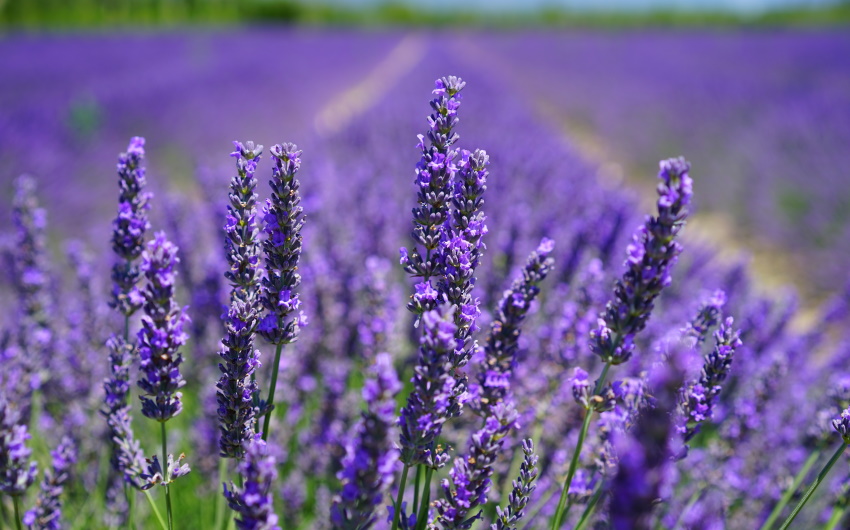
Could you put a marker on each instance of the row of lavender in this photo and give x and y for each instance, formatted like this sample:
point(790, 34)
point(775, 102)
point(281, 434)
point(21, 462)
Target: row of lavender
point(764, 114)
point(762, 402)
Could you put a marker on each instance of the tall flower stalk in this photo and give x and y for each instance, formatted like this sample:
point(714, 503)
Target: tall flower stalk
point(160, 338)
point(47, 514)
point(17, 472)
point(237, 385)
point(650, 258)
point(253, 500)
point(284, 218)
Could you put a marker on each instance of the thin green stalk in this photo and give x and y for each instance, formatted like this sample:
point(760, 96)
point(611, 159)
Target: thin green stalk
point(422, 515)
point(220, 504)
point(836, 517)
point(165, 472)
point(400, 496)
point(416, 486)
point(532, 513)
point(156, 510)
point(798, 479)
point(820, 478)
point(16, 500)
point(270, 402)
point(557, 519)
point(591, 506)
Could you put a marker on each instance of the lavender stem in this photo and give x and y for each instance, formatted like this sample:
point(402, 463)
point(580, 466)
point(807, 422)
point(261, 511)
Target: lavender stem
point(821, 476)
point(798, 479)
point(219, 504)
point(270, 400)
point(836, 517)
point(156, 510)
point(422, 515)
point(560, 513)
point(400, 496)
point(16, 500)
point(167, 486)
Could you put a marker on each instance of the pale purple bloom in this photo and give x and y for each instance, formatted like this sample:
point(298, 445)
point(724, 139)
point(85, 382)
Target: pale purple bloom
point(523, 487)
point(253, 501)
point(47, 513)
point(17, 472)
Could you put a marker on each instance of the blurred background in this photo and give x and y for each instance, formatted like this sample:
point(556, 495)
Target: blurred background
point(756, 93)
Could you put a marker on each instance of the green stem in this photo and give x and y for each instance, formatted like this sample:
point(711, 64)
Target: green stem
point(821, 476)
point(16, 500)
point(270, 402)
point(166, 477)
point(400, 496)
point(798, 479)
point(591, 506)
point(220, 504)
point(416, 486)
point(836, 517)
point(557, 519)
point(422, 515)
point(156, 510)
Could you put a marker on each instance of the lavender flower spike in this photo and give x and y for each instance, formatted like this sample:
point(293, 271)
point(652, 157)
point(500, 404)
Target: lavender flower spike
point(469, 480)
point(508, 518)
point(434, 174)
point(162, 333)
point(502, 343)
point(127, 456)
point(697, 400)
point(128, 228)
point(47, 514)
point(239, 358)
point(432, 401)
point(651, 256)
point(254, 501)
point(16, 474)
point(370, 461)
point(284, 218)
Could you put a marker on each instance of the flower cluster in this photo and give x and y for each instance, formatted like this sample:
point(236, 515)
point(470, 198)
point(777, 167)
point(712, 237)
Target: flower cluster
point(47, 513)
point(129, 227)
point(284, 218)
point(16, 474)
point(253, 501)
point(651, 255)
point(434, 176)
point(369, 464)
point(433, 399)
point(523, 487)
point(235, 387)
point(162, 333)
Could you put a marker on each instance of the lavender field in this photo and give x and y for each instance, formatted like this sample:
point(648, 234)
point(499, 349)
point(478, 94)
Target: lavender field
point(442, 315)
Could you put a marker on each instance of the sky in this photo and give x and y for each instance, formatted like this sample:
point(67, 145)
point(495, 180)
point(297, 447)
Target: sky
point(741, 6)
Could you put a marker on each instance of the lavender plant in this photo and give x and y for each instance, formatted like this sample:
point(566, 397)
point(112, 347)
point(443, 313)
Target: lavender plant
point(253, 500)
point(47, 513)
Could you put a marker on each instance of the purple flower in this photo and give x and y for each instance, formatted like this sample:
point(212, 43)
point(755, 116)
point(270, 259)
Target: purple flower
point(651, 255)
point(469, 479)
point(162, 333)
point(253, 501)
point(47, 513)
point(16, 474)
point(284, 219)
point(236, 387)
point(842, 425)
point(523, 487)
point(128, 228)
point(434, 177)
point(370, 460)
point(434, 398)
point(503, 340)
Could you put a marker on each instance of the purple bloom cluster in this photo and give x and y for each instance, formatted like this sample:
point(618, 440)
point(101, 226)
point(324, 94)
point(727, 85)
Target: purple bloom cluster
point(434, 398)
point(523, 487)
point(129, 227)
point(469, 479)
point(434, 178)
point(651, 256)
point(162, 333)
point(47, 513)
point(253, 501)
point(16, 473)
point(284, 218)
point(369, 464)
point(236, 387)
point(698, 398)
point(127, 456)
point(501, 348)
